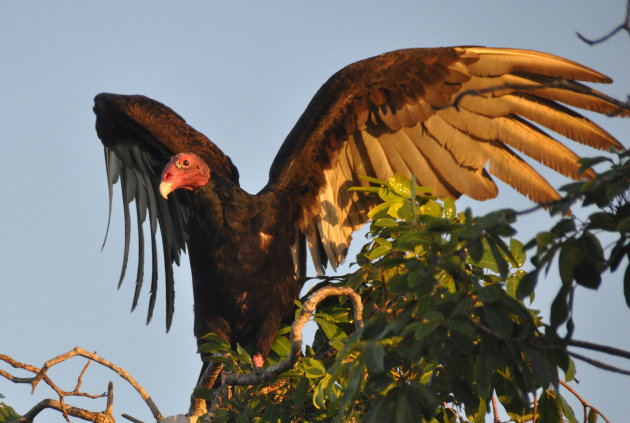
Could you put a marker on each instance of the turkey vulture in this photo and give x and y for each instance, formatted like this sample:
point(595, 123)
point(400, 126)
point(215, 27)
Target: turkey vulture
point(400, 112)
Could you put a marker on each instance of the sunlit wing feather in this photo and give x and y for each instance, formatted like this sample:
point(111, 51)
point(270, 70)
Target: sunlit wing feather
point(453, 117)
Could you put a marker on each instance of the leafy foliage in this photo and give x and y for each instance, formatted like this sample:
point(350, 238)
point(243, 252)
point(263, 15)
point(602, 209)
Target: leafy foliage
point(7, 414)
point(446, 327)
point(578, 245)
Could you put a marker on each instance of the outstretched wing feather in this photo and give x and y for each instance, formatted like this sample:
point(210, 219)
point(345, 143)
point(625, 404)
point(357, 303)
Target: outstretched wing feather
point(447, 115)
point(140, 135)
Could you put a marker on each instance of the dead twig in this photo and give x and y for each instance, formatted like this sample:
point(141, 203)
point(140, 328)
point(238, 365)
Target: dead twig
point(221, 392)
point(495, 409)
point(41, 374)
point(81, 413)
point(92, 416)
point(207, 380)
point(585, 404)
point(624, 26)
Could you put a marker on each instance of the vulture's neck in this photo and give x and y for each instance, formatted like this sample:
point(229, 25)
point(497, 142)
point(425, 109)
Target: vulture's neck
point(223, 205)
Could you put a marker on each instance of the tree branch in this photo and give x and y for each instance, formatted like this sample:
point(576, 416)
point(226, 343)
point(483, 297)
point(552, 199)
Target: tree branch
point(585, 404)
point(41, 374)
point(599, 364)
point(495, 409)
point(81, 413)
point(308, 309)
point(601, 348)
point(207, 380)
point(271, 372)
point(623, 26)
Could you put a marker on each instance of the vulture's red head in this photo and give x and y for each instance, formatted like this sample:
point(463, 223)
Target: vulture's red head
point(184, 170)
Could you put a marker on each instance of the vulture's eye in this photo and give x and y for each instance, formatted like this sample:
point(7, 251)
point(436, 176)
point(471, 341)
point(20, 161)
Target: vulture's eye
point(185, 163)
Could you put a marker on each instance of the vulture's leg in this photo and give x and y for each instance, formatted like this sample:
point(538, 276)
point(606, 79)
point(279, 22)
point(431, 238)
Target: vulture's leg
point(266, 336)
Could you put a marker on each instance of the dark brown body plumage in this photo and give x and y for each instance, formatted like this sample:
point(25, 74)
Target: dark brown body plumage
point(454, 117)
point(243, 274)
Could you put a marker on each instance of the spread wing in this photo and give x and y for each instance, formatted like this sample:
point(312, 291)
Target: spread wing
point(451, 116)
point(140, 135)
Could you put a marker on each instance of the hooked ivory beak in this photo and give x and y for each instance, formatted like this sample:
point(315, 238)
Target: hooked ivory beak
point(165, 188)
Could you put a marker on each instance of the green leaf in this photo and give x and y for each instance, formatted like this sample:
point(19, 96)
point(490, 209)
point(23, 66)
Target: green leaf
point(603, 220)
point(560, 307)
point(281, 346)
point(377, 252)
point(400, 184)
point(204, 393)
point(527, 284)
point(494, 315)
point(403, 410)
point(499, 259)
point(364, 189)
point(374, 355)
point(489, 294)
point(569, 374)
point(492, 258)
point(563, 227)
point(299, 396)
point(487, 259)
point(319, 400)
point(617, 253)
point(214, 343)
point(549, 408)
point(386, 222)
point(438, 224)
point(480, 415)
point(475, 251)
point(396, 207)
point(615, 189)
point(431, 208)
point(213, 348)
point(243, 355)
point(570, 256)
point(543, 239)
point(331, 330)
point(587, 162)
point(592, 416)
point(7, 414)
point(587, 274)
point(450, 212)
point(566, 410)
point(581, 259)
point(314, 369)
point(355, 377)
point(372, 180)
point(518, 252)
point(626, 286)
point(383, 207)
point(461, 326)
point(429, 323)
point(471, 232)
point(624, 225)
point(512, 283)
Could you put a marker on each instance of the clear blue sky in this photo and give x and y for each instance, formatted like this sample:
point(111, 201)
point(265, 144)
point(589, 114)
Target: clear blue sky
point(241, 74)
